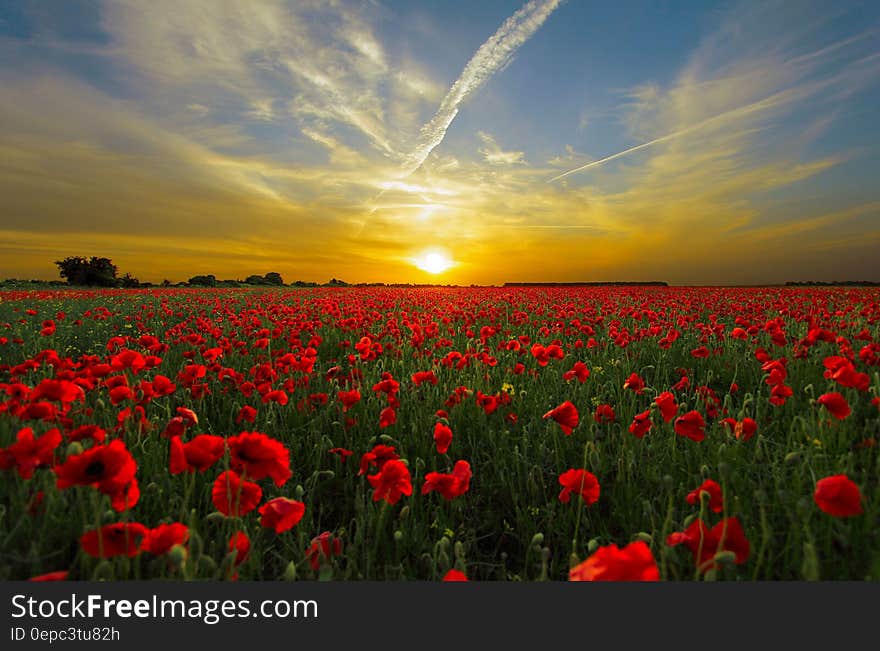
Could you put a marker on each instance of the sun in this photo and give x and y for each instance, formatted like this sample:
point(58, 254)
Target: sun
point(433, 262)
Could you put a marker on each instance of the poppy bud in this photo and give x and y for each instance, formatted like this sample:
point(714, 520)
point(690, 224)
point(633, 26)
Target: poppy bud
point(290, 572)
point(573, 560)
point(404, 512)
point(792, 458)
point(177, 555)
point(710, 575)
point(386, 439)
point(215, 516)
point(207, 565)
point(704, 471)
point(326, 474)
point(109, 516)
point(152, 487)
point(644, 537)
point(398, 536)
point(725, 557)
point(459, 549)
point(298, 492)
point(668, 481)
point(593, 545)
point(74, 448)
point(537, 539)
point(103, 572)
point(443, 545)
point(99, 403)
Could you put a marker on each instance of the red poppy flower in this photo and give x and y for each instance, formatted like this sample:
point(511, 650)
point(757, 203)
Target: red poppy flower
point(489, 403)
point(667, 405)
point(348, 398)
point(281, 514)
point(451, 485)
point(641, 424)
point(199, 454)
point(424, 376)
point(713, 490)
point(442, 437)
point(392, 481)
point(60, 575)
point(744, 429)
point(161, 539)
point(62, 391)
point(109, 468)
point(234, 497)
point(454, 575)
point(701, 352)
point(604, 414)
point(580, 482)
point(87, 432)
point(246, 413)
point(579, 371)
point(163, 386)
point(691, 425)
point(566, 415)
point(635, 562)
point(704, 543)
point(836, 404)
point(387, 417)
point(277, 396)
point(241, 545)
point(342, 452)
point(120, 539)
point(259, 456)
point(323, 548)
point(839, 496)
point(29, 452)
point(634, 383)
point(378, 457)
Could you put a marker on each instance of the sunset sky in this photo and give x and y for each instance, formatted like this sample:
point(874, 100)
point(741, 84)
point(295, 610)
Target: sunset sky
point(691, 142)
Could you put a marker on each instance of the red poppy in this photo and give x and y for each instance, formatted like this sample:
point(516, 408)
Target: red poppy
point(392, 481)
point(246, 413)
point(701, 352)
point(424, 376)
point(691, 425)
point(635, 562)
point(378, 457)
point(387, 417)
point(839, 496)
point(634, 383)
point(641, 424)
point(62, 391)
point(281, 514)
point(161, 539)
point(87, 432)
point(162, 386)
point(604, 414)
point(579, 371)
point(348, 398)
point(451, 485)
point(109, 468)
point(442, 437)
point(323, 548)
point(566, 415)
point(744, 429)
point(667, 405)
point(119, 539)
point(259, 456)
point(713, 490)
point(240, 544)
point(60, 575)
point(29, 452)
point(488, 402)
point(342, 452)
point(704, 543)
point(454, 575)
point(836, 404)
point(580, 482)
point(234, 497)
point(199, 454)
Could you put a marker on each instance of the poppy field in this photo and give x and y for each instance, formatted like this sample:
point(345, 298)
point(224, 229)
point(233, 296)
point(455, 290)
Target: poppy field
point(484, 433)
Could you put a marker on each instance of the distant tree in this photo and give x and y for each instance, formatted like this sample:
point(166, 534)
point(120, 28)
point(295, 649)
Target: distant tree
point(273, 278)
point(94, 271)
point(129, 281)
point(203, 281)
point(337, 283)
point(166, 283)
point(303, 283)
point(255, 280)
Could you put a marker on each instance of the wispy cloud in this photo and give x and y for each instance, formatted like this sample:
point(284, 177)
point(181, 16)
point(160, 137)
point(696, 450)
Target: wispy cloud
point(491, 57)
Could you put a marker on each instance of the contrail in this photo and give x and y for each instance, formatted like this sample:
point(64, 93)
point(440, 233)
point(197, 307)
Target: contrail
point(493, 55)
point(767, 102)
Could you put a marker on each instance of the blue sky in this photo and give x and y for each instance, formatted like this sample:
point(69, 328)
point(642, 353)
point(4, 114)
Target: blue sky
point(693, 142)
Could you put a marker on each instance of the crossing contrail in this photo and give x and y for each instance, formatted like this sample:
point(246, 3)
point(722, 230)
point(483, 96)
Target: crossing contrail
point(493, 55)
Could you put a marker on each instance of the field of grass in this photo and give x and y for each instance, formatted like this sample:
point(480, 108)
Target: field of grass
point(247, 422)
